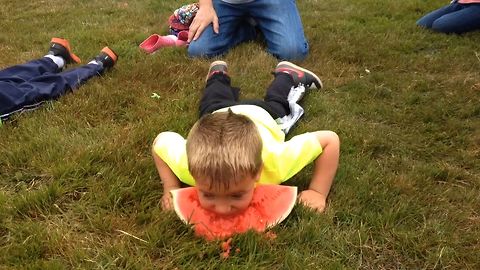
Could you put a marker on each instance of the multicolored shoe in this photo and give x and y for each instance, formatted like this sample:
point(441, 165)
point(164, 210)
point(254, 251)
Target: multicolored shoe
point(107, 58)
point(61, 47)
point(217, 67)
point(299, 75)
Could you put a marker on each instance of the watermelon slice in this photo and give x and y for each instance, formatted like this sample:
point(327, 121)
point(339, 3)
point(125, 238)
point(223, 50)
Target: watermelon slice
point(270, 205)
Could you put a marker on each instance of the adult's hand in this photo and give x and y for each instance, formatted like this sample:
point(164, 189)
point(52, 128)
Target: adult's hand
point(205, 16)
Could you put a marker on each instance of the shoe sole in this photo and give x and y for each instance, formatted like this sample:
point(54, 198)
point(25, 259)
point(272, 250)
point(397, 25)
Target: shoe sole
point(218, 62)
point(66, 44)
point(318, 86)
point(110, 53)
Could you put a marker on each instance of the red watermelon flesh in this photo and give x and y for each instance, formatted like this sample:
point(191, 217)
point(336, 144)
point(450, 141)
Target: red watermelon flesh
point(270, 205)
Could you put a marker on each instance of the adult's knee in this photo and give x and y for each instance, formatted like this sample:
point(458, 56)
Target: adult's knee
point(425, 22)
point(291, 51)
point(446, 26)
point(197, 49)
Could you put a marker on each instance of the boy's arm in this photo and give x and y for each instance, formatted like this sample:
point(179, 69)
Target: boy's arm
point(205, 16)
point(325, 168)
point(168, 178)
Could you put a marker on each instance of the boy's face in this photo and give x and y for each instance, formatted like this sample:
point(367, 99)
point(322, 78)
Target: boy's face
point(227, 201)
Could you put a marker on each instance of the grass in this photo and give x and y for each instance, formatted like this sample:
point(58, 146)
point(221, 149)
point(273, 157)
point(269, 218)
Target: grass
point(77, 181)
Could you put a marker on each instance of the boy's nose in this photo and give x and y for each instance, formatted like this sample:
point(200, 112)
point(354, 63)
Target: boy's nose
point(223, 209)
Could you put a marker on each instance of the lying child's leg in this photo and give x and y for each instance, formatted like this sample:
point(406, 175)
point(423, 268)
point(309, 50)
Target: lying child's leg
point(58, 55)
point(286, 90)
point(59, 83)
point(34, 91)
point(218, 92)
point(17, 88)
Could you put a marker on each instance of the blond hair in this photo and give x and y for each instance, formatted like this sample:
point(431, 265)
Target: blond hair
point(224, 147)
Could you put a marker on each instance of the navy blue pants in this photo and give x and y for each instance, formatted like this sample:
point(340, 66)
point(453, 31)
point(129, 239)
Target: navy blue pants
point(26, 86)
point(454, 18)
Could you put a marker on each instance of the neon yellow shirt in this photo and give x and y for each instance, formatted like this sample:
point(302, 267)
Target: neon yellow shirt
point(281, 159)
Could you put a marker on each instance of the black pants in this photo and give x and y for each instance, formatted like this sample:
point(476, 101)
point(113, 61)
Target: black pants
point(219, 94)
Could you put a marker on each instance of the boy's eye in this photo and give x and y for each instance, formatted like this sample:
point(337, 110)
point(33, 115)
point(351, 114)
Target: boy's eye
point(237, 196)
point(208, 195)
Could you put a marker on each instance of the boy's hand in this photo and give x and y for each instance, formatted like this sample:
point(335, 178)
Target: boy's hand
point(324, 171)
point(313, 199)
point(169, 179)
point(167, 203)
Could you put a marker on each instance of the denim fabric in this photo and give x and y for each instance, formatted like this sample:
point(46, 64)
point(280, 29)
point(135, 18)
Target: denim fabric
point(454, 18)
point(238, 1)
point(278, 20)
point(28, 85)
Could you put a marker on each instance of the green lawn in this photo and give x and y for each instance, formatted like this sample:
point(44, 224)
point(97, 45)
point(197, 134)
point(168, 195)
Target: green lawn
point(77, 181)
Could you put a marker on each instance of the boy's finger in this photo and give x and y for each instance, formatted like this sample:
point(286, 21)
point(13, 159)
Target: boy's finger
point(166, 203)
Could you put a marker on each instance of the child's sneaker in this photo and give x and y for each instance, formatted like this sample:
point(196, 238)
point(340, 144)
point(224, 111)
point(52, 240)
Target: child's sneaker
point(61, 47)
point(217, 67)
point(106, 58)
point(299, 75)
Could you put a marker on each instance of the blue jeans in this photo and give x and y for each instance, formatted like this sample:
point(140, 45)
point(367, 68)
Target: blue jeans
point(278, 20)
point(454, 18)
point(26, 86)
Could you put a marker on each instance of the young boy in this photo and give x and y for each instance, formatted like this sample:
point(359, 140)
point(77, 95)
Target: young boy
point(237, 144)
point(27, 86)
